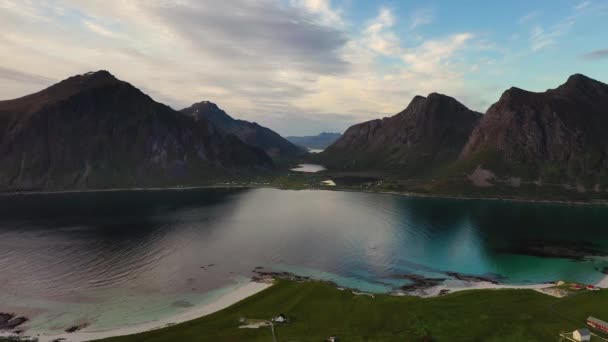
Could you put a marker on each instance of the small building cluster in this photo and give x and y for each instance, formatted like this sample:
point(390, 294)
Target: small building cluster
point(597, 324)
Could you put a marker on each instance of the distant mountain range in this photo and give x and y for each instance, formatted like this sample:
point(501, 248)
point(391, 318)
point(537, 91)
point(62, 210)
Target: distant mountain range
point(251, 133)
point(553, 137)
point(318, 142)
point(95, 131)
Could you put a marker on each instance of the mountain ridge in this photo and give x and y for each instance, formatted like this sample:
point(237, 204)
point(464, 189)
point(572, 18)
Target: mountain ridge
point(557, 134)
point(250, 133)
point(95, 131)
point(430, 131)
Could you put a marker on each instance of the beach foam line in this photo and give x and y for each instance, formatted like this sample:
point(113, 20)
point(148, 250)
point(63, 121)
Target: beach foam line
point(457, 285)
point(222, 302)
point(603, 283)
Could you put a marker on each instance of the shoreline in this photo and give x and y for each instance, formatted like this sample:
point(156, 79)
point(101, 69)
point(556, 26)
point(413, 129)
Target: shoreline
point(266, 186)
point(253, 287)
point(222, 302)
point(473, 198)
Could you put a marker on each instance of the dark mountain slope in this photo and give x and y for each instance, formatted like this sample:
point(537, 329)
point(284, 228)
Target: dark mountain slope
point(555, 136)
point(93, 130)
point(430, 132)
point(249, 132)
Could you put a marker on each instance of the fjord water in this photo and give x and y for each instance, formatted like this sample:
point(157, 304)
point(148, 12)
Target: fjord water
point(123, 257)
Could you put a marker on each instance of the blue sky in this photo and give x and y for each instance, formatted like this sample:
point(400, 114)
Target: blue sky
point(305, 66)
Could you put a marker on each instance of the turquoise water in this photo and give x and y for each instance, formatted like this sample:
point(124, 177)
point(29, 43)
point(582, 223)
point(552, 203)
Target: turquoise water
point(113, 258)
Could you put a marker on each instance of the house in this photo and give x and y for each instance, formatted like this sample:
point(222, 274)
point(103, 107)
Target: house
point(280, 319)
point(592, 288)
point(581, 335)
point(597, 324)
point(332, 339)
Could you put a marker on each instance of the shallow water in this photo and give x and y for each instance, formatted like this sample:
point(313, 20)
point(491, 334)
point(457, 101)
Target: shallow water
point(124, 257)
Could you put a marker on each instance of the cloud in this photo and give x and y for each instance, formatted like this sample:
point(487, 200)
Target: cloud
point(20, 76)
point(541, 38)
point(242, 31)
point(595, 55)
point(421, 17)
point(99, 29)
point(294, 65)
point(582, 5)
point(432, 55)
point(529, 17)
point(322, 8)
point(378, 35)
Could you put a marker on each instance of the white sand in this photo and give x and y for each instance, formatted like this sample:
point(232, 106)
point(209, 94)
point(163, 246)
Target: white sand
point(603, 283)
point(218, 304)
point(328, 182)
point(459, 285)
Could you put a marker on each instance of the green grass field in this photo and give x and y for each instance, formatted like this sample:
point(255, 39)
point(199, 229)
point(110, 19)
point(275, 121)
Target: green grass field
point(318, 310)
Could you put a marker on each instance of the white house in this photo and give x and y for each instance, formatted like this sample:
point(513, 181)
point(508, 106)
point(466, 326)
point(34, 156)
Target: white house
point(581, 335)
point(280, 319)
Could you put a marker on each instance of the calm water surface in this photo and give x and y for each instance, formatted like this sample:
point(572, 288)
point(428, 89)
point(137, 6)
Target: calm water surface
point(115, 258)
point(309, 168)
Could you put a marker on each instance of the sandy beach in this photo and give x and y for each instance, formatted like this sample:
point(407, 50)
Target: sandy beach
point(222, 302)
point(603, 283)
point(457, 285)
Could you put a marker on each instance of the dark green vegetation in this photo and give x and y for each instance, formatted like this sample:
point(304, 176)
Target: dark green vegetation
point(320, 141)
point(318, 310)
point(250, 133)
point(94, 131)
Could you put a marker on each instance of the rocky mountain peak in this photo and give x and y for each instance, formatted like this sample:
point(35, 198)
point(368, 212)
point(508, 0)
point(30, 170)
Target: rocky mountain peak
point(430, 131)
point(249, 132)
point(579, 84)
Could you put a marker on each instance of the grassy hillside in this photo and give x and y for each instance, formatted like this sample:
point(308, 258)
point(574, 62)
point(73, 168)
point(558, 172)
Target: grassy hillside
point(318, 310)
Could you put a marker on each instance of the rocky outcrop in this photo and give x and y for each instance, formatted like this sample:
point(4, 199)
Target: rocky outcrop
point(250, 133)
point(430, 132)
point(93, 130)
point(9, 321)
point(558, 135)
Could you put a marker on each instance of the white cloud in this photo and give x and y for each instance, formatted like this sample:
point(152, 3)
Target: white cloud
point(327, 14)
point(421, 17)
point(582, 5)
point(529, 17)
point(271, 61)
point(541, 38)
point(99, 29)
point(378, 35)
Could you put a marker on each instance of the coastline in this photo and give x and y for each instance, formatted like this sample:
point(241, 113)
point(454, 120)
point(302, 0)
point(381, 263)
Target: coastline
point(266, 186)
point(253, 287)
point(473, 198)
point(242, 292)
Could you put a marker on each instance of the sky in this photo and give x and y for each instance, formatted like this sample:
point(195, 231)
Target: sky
point(303, 67)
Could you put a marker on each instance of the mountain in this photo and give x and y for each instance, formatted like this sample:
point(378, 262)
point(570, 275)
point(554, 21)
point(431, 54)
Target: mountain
point(556, 136)
point(430, 132)
point(319, 142)
point(251, 133)
point(93, 131)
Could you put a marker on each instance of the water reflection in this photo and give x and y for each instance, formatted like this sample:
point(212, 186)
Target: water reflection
point(147, 249)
